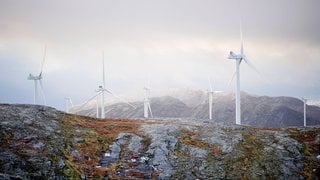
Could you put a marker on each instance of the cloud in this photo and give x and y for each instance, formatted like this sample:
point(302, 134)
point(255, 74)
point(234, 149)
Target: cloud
point(168, 44)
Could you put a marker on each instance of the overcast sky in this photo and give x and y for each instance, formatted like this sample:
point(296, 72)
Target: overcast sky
point(163, 43)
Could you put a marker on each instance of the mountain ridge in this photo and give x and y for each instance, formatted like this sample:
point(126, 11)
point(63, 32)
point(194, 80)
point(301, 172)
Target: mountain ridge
point(263, 111)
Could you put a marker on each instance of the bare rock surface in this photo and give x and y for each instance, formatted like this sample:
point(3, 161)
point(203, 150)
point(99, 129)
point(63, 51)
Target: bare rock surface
point(42, 143)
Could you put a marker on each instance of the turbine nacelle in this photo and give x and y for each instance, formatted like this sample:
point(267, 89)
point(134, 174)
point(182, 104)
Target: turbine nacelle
point(100, 89)
point(32, 77)
point(233, 55)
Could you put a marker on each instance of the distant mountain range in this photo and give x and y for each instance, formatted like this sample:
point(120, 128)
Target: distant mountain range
point(263, 111)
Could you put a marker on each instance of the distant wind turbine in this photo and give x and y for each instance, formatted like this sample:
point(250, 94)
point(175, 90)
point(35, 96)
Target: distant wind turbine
point(97, 107)
point(239, 58)
point(210, 94)
point(68, 104)
point(304, 111)
point(101, 91)
point(146, 104)
point(36, 79)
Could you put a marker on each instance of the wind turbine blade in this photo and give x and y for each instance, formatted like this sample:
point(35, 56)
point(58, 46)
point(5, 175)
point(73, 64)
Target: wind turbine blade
point(44, 58)
point(149, 107)
point(251, 65)
point(234, 74)
point(71, 102)
point(42, 92)
point(241, 38)
point(103, 75)
point(123, 100)
point(255, 69)
point(89, 100)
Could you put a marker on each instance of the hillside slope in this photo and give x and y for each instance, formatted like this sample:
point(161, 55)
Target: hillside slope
point(262, 111)
point(42, 143)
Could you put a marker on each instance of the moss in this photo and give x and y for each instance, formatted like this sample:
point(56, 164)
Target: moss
point(191, 138)
point(70, 170)
point(252, 145)
point(248, 157)
point(311, 147)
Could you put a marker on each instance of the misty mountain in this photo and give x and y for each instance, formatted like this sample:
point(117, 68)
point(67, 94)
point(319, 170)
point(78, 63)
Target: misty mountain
point(261, 111)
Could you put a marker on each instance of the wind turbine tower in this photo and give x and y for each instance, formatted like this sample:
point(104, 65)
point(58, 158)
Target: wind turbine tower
point(97, 107)
point(146, 104)
point(68, 104)
point(102, 88)
point(210, 93)
point(36, 79)
point(304, 112)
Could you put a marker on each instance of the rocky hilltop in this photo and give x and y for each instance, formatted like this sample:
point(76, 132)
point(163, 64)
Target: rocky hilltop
point(42, 143)
point(262, 111)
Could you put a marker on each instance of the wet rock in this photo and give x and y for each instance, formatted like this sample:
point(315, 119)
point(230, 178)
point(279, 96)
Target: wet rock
point(162, 147)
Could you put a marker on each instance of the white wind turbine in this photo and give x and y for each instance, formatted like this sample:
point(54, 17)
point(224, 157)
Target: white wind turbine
point(36, 79)
point(68, 104)
point(304, 111)
point(239, 58)
point(146, 104)
point(101, 91)
point(210, 94)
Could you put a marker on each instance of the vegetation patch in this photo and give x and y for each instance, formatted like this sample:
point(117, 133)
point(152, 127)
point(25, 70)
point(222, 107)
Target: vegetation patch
point(96, 136)
point(310, 138)
point(247, 152)
point(192, 138)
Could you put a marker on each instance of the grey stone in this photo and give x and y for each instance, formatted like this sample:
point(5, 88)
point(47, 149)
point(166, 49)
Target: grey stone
point(60, 164)
point(75, 153)
point(115, 150)
point(37, 144)
point(77, 139)
point(195, 151)
point(135, 143)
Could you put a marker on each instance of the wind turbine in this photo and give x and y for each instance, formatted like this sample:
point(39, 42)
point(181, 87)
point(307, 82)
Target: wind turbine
point(304, 111)
point(146, 104)
point(68, 104)
point(210, 93)
point(239, 58)
point(38, 78)
point(101, 91)
point(97, 107)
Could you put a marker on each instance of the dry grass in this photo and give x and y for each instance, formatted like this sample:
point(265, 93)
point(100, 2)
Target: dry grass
point(310, 150)
point(97, 135)
point(190, 138)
